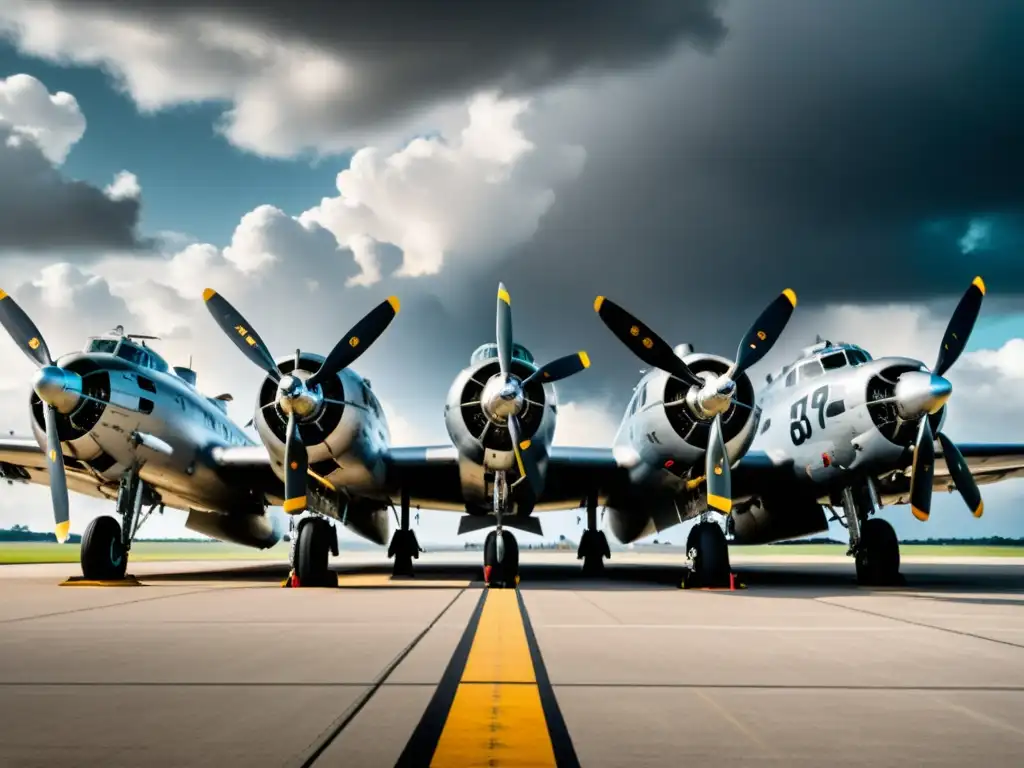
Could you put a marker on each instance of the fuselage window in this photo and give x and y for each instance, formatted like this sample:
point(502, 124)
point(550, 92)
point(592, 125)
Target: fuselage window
point(833, 361)
point(791, 378)
point(146, 406)
point(146, 384)
point(643, 397)
point(632, 404)
point(811, 370)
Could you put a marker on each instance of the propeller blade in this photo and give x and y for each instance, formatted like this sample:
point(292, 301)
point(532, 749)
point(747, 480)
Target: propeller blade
point(240, 332)
point(58, 478)
point(357, 340)
point(961, 476)
point(960, 326)
point(504, 330)
point(528, 470)
point(717, 469)
point(922, 472)
point(559, 369)
point(23, 331)
point(295, 465)
point(643, 342)
point(765, 331)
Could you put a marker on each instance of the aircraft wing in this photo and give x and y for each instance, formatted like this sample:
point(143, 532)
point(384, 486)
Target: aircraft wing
point(432, 475)
point(23, 461)
point(249, 466)
point(988, 462)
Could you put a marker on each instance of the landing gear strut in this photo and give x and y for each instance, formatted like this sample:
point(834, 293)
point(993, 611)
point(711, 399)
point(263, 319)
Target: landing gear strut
point(404, 546)
point(593, 544)
point(873, 542)
point(707, 547)
point(501, 551)
point(105, 543)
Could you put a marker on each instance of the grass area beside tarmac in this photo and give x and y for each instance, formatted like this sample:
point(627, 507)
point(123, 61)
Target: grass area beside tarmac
point(22, 552)
point(15, 553)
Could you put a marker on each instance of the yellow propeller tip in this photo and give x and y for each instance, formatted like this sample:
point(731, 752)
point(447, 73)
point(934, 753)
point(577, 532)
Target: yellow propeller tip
point(979, 284)
point(503, 295)
point(524, 445)
point(208, 294)
point(395, 303)
point(62, 530)
point(980, 510)
point(585, 359)
point(920, 514)
point(3, 294)
point(598, 302)
point(790, 294)
point(291, 506)
point(720, 503)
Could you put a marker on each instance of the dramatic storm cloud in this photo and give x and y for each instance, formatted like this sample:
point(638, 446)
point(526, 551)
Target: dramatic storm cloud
point(318, 74)
point(40, 209)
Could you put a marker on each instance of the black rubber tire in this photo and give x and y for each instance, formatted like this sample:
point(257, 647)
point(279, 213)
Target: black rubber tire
point(312, 551)
point(593, 549)
point(404, 547)
point(712, 567)
point(505, 573)
point(102, 554)
point(878, 561)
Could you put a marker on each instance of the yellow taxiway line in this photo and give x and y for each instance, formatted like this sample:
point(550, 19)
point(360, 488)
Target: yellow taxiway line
point(494, 705)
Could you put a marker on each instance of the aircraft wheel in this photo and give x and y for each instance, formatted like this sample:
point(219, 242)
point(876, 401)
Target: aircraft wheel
point(878, 561)
point(311, 552)
point(404, 547)
point(505, 573)
point(102, 554)
point(712, 566)
point(593, 550)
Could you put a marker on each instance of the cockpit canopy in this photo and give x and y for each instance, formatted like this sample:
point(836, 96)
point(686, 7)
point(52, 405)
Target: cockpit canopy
point(126, 349)
point(816, 360)
point(490, 352)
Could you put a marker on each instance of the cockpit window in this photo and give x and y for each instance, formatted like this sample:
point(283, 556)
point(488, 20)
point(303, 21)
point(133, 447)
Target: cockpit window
point(105, 346)
point(857, 356)
point(791, 378)
point(833, 361)
point(811, 370)
point(131, 353)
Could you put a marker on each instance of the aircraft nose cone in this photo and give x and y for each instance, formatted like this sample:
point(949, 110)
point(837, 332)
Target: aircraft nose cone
point(57, 387)
point(920, 392)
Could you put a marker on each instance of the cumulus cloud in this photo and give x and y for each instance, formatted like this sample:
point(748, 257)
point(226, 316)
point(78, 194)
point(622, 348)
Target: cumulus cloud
point(53, 121)
point(586, 424)
point(319, 75)
point(479, 196)
point(125, 186)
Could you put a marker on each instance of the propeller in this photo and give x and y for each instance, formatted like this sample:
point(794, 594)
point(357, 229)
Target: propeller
point(712, 397)
point(300, 400)
point(505, 396)
point(59, 393)
point(920, 394)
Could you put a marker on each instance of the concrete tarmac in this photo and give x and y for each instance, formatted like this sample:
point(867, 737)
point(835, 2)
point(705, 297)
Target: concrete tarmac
point(212, 664)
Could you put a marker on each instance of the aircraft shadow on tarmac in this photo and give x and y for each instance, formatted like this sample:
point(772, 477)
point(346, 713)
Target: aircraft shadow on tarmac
point(761, 580)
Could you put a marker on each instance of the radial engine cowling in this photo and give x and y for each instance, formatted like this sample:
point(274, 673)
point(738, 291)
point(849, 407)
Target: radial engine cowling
point(739, 423)
point(331, 430)
point(481, 435)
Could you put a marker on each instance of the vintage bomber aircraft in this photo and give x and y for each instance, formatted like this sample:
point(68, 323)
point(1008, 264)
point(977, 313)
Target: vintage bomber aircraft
point(501, 466)
point(115, 422)
point(838, 429)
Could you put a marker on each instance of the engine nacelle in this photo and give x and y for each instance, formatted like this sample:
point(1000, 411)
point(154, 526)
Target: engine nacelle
point(666, 432)
point(345, 440)
point(483, 439)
